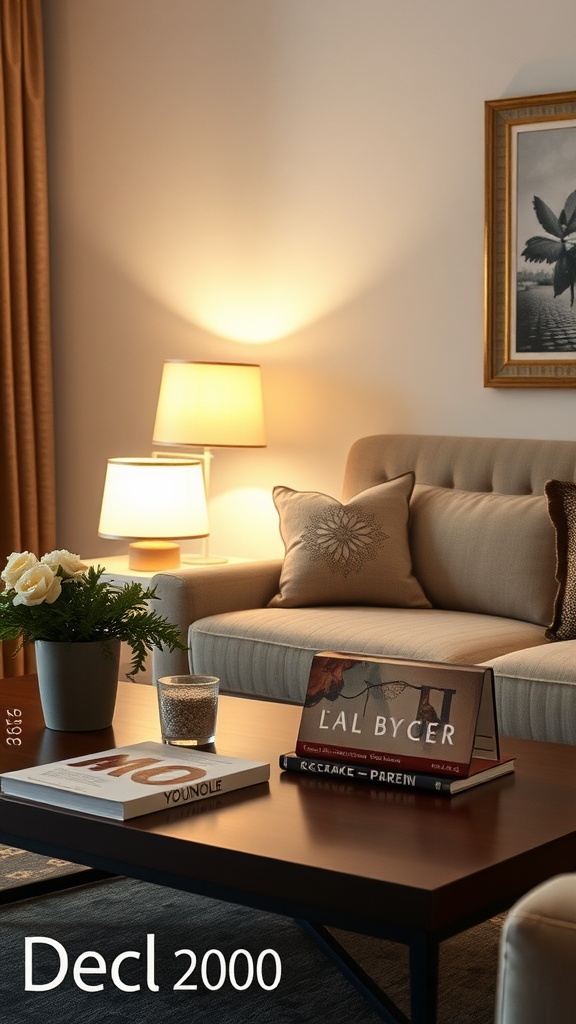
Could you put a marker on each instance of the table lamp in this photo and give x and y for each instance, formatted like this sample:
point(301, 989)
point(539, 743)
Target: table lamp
point(209, 405)
point(152, 501)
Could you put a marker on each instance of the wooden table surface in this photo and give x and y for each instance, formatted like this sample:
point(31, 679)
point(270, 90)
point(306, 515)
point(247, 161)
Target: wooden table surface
point(341, 853)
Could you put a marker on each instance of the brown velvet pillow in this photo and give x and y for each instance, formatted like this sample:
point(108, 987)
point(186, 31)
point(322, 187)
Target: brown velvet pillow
point(347, 554)
point(561, 496)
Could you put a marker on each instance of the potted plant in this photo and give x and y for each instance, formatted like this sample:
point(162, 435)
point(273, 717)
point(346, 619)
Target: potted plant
point(77, 622)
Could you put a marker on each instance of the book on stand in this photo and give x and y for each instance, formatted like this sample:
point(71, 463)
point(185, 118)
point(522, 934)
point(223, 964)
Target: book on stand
point(125, 782)
point(480, 771)
point(399, 715)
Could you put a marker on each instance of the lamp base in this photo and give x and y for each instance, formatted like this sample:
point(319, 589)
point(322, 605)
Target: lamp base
point(153, 555)
point(204, 560)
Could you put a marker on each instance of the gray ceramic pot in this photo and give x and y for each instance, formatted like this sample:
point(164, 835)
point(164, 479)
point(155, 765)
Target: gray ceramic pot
point(78, 683)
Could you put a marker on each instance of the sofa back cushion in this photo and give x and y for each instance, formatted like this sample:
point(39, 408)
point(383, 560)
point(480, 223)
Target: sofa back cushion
point(347, 554)
point(484, 552)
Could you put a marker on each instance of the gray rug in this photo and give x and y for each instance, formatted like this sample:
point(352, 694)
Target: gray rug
point(113, 917)
point(18, 867)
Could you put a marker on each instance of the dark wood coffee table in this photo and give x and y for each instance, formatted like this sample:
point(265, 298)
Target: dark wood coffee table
point(413, 867)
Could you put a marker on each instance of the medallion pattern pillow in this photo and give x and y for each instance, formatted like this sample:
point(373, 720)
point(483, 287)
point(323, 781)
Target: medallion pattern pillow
point(353, 553)
point(561, 496)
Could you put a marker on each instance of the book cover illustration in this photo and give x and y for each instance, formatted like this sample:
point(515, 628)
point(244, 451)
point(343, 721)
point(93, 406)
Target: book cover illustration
point(417, 715)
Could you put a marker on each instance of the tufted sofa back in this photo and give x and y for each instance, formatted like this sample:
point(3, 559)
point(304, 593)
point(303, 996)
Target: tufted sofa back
point(505, 465)
point(481, 539)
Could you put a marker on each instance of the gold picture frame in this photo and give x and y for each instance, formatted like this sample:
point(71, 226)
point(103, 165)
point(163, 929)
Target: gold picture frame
point(530, 276)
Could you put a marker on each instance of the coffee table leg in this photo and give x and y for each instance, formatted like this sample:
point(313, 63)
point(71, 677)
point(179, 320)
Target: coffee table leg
point(424, 961)
point(384, 1007)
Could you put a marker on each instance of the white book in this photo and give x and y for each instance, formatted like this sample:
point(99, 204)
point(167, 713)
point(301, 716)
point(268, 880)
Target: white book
point(125, 782)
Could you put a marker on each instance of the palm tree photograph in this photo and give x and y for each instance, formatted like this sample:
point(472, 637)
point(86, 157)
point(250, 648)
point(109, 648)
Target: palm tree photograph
point(545, 312)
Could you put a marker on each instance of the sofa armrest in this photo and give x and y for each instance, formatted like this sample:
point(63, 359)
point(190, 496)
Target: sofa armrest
point(190, 594)
point(537, 961)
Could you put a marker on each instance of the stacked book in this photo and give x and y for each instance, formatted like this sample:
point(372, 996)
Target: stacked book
point(397, 723)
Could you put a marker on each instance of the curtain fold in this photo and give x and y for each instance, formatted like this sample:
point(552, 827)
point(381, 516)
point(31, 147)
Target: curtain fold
point(27, 474)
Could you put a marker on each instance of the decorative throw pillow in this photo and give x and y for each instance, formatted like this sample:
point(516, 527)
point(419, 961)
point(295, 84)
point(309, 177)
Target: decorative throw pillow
point(484, 552)
point(353, 553)
point(561, 496)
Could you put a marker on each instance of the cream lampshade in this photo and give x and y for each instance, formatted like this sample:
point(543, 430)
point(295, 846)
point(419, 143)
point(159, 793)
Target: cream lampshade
point(209, 405)
point(152, 501)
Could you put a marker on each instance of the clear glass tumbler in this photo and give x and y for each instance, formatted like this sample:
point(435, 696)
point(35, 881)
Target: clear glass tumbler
point(188, 707)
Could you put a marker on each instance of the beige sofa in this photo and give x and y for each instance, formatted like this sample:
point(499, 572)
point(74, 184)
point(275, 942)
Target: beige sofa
point(481, 586)
point(537, 962)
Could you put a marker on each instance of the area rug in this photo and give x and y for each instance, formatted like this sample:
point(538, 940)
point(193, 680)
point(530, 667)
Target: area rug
point(18, 867)
point(116, 917)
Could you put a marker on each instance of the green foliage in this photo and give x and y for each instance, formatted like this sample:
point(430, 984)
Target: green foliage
point(89, 609)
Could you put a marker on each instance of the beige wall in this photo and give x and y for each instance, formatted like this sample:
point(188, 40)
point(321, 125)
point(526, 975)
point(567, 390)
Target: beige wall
point(298, 183)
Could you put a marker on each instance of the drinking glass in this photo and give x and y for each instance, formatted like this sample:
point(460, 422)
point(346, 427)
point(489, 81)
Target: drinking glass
point(188, 707)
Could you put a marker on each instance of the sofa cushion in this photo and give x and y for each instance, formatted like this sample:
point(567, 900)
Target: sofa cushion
point(536, 692)
point(561, 496)
point(269, 651)
point(355, 553)
point(484, 552)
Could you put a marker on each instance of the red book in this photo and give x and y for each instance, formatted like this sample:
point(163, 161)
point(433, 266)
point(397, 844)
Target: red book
point(409, 715)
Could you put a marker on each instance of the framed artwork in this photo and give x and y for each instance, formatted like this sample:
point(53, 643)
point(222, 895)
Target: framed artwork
point(530, 303)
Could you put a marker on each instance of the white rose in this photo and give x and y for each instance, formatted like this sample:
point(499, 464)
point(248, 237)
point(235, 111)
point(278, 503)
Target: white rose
point(18, 563)
point(37, 585)
point(70, 563)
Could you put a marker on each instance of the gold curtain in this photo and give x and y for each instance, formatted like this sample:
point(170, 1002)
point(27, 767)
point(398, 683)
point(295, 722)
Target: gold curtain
point(27, 478)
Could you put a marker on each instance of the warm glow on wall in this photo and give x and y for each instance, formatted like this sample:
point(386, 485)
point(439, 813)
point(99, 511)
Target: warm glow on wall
point(248, 300)
point(253, 320)
point(269, 310)
point(245, 522)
